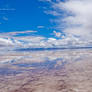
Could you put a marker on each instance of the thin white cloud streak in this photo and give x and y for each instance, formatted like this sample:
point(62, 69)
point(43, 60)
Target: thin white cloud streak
point(45, 0)
point(5, 18)
point(7, 9)
point(40, 27)
point(11, 34)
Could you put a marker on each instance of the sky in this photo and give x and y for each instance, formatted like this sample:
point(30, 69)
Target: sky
point(45, 23)
point(24, 15)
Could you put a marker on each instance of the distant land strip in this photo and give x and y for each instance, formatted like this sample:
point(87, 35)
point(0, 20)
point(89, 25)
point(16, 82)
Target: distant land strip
point(41, 49)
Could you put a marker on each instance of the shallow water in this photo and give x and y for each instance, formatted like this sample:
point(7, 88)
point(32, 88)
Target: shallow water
point(46, 71)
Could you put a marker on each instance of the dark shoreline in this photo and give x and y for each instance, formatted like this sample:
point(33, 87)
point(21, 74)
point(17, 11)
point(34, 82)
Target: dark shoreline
point(42, 49)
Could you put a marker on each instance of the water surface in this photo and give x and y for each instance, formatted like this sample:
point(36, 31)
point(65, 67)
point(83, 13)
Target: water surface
point(67, 70)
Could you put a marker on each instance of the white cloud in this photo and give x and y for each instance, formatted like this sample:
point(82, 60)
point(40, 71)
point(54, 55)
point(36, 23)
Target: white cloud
point(41, 42)
point(7, 9)
point(45, 0)
point(11, 34)
point(5, 18)
point(57, 34)
point(5, 41)
point(40, 27)
point(76, 18)
point(54, 13)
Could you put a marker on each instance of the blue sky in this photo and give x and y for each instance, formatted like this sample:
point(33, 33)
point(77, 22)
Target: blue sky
point(25, 15)
point(46, 23)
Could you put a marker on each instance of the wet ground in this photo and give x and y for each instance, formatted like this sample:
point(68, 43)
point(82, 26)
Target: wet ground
point(46, 71)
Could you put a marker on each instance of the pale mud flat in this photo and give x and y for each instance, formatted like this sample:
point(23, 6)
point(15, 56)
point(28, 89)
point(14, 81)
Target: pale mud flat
point(47, 71)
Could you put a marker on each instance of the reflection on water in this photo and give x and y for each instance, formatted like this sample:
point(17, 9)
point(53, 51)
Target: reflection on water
point(46, 71)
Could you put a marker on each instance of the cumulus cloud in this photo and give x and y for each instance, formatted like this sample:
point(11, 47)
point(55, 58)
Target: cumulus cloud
point(79, 20)
point(57, 34)
point(73, 18)
point(40, 42)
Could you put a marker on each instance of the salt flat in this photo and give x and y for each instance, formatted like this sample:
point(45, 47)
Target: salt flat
point(46, 71)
